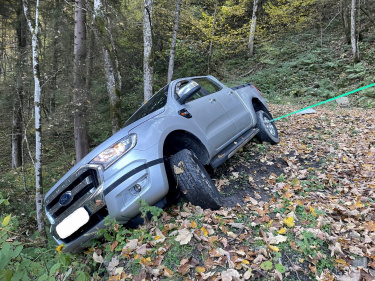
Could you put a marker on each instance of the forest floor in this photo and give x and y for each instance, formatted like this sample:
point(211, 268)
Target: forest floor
point(299, 210)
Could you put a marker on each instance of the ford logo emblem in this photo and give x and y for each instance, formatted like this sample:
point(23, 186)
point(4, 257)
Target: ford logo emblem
point(66, 198)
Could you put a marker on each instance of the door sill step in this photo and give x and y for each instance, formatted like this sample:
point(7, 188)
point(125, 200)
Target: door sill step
point(232, 148)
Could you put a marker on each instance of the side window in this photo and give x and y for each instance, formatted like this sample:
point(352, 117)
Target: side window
point(207, 87)
point(185, 86)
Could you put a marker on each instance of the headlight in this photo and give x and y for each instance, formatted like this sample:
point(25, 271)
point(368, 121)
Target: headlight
point(115, 151)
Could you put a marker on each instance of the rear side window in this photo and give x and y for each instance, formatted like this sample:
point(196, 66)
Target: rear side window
point(208, 85)
point(157, 101)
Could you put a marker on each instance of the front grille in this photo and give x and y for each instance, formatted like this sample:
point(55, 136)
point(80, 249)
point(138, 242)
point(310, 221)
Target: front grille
point(79, 184)
point(85, 190)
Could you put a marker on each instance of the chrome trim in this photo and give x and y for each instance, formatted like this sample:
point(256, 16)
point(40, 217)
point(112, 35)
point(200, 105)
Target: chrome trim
point(73, 192)
point(72, 178)
point(92, 201)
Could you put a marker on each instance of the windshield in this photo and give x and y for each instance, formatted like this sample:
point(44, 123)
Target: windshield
point(156, 102)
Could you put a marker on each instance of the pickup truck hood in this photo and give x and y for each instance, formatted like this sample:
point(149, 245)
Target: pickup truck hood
point(101, 147)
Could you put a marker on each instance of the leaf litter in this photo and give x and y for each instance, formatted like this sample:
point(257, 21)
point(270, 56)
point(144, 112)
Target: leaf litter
point(300, 210)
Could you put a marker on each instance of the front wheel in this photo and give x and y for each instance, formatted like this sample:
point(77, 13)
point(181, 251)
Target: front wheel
point(267, 130)
point(194, 181)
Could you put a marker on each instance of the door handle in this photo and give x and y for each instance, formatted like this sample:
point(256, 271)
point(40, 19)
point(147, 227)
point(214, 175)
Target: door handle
point(212, 100)
point(230, 93)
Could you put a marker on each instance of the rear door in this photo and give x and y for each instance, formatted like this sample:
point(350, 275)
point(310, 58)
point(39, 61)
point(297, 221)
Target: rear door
point(236, 109)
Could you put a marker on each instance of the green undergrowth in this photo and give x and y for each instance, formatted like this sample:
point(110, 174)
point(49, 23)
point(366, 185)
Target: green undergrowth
point(306, 68)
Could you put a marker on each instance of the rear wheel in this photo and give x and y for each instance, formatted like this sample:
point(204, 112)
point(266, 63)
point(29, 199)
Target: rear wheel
point(267, 130)
point(194, 181)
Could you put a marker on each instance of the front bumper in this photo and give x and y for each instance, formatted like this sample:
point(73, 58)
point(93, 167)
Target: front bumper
point(100, 195)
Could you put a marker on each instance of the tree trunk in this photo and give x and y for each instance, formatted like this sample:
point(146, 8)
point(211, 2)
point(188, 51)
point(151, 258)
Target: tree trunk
point(174, 41)
point(353, 33)
point(2, 47)
point(252, 28)
point(345, 19)
point(366, 12)
point(90, 57)
point(17, 129)
point(38, 127)
point(148, 59)
point(79, 92)
point(21, 30)
point(55, 62)
point(211, 39)
point(111, 65)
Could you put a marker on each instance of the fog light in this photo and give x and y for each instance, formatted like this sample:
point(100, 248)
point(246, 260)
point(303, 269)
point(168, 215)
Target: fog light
point(137, 188)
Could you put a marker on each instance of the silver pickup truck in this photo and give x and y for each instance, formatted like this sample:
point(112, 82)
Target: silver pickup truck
point(189, 123)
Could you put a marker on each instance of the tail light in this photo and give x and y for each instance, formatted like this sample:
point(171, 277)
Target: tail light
point(258, 91)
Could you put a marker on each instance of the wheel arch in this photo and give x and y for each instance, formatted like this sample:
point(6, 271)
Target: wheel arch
point(258, 105)
point(180, 139)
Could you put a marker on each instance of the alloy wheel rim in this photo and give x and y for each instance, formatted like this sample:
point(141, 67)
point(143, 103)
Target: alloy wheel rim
point(269, 126)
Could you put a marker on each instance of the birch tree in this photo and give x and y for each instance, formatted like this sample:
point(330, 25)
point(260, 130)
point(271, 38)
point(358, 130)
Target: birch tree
point(79, 91)
point(353, 33)
point(148, 60)
point(174, 41)
point(110, 60)
point(37, 107)
point(252, 28)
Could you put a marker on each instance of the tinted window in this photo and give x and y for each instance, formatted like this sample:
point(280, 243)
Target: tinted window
point(156, 102)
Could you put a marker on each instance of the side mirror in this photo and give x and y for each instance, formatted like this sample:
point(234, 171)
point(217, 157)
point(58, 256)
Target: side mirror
point(184, 96)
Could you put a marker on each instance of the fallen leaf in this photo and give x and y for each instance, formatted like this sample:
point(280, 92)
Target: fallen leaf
point(276, 239)
point(184, 236)
point(278, 276)
point(6, 220)
point(114, 245)
point(200, 269)
point(141, 250)
point(356, 251)
point(204, 230)
point(167, 272)
point(370, 226)
point(98, 258)
point(131, 245)
point(237, 225)
point(230, 275)
point(180, 169)
point(274, 248)
point(193, 224)
point(113, 263)
point(248, 274)
point(289, 221)
point(282, 231)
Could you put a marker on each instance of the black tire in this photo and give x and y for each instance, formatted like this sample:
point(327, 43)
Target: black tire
point(194, 181)
point(267, 131)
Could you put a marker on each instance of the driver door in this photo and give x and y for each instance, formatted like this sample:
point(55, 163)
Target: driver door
point(210, 115)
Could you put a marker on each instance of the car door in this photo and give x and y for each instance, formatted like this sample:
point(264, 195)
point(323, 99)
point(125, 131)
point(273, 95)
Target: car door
point(235, 108)
point(210, 116)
